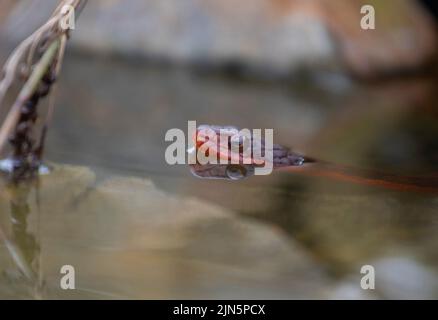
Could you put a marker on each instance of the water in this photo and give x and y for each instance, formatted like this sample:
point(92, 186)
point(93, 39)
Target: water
point(134, 227)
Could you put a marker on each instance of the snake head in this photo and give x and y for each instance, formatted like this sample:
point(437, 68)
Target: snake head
point(234, 161)
point(212, 134)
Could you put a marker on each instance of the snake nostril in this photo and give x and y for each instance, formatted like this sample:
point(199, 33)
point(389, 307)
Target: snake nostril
point(236, 172)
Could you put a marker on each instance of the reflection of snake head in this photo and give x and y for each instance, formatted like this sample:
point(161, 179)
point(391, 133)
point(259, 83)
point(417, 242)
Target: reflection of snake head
point(239, 164)
point(222, 171)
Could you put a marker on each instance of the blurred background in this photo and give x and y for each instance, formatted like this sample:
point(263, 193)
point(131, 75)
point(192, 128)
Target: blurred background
point(135, 227)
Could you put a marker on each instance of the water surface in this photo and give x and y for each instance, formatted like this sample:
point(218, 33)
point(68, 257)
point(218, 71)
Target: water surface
point(135, 227)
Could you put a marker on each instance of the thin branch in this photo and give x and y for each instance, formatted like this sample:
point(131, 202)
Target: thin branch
point(27, 91)
point(51, 105)
point(27, 48)
point(53, 38)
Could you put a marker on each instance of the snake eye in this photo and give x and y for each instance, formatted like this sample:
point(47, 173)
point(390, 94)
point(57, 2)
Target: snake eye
point(236, 172)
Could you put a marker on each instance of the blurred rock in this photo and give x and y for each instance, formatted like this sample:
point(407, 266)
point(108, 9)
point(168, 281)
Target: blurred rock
point(5, 8)
point(396, 277)
point(350, 289)
point(404, 38)
point(184, 247)
point(60, 187)
point(405, 278)
point(129, 239)
point(263, 36)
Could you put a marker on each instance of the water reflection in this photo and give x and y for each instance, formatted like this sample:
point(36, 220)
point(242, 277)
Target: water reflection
point(22, 244)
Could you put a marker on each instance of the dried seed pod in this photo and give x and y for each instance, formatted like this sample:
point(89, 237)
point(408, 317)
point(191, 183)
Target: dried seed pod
point(50, 77)
point(43, 89)
point(22, 128)
point(27, 108)
point(35, 98)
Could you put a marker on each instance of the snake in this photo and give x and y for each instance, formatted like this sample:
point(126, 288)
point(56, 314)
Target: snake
point(286, 160)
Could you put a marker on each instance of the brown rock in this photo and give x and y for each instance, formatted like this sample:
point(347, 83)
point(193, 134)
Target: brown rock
point(404, 37)
point(5, 8)
point(272, 36)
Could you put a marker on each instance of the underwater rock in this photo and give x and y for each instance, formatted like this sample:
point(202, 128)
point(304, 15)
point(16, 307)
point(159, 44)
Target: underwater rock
point(58, 189)
point(205, 249)
point(26, 208)
point(128, 239)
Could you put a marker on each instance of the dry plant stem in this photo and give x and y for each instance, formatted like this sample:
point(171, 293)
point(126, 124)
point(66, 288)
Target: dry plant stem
point(23, 57)
point(26, 49)
point(14, 60)
point(58, 66)
point(51, 105)
point(27, 91)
